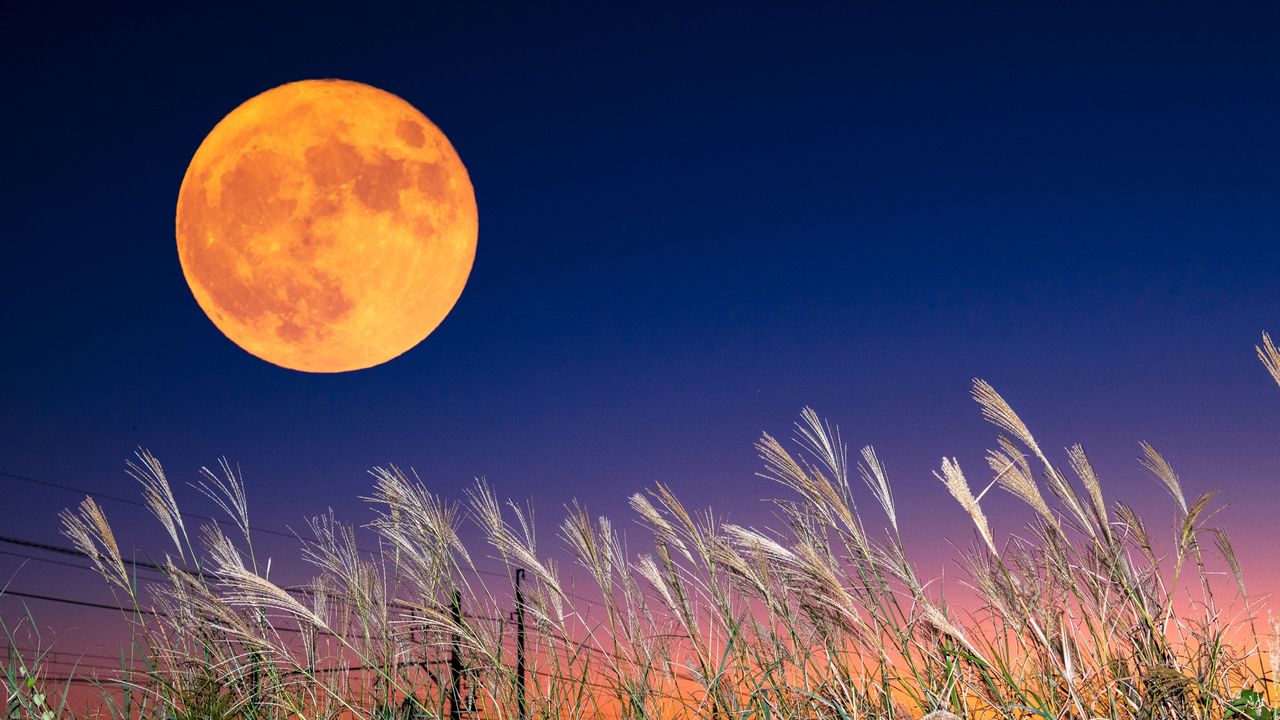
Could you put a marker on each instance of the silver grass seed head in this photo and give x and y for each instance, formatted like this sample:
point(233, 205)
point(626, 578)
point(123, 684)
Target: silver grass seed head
point(1012, 478)
point(1269, 354)
point(227, 491)
point(91, 534)
point(1223, 542)
point(953, 479)
point(1084, 470)
point(877, 480)
point(1158, 466)
point(158, 495)
point(997, 411)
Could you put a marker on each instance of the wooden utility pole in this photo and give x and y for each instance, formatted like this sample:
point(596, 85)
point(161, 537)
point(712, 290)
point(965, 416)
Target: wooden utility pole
point(455, 662)
point(521, 708)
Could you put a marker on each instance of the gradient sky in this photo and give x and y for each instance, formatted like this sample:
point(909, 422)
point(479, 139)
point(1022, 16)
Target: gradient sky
point(693, 223)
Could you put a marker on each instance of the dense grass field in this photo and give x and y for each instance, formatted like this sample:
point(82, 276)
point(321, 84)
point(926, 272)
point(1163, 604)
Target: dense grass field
point(1088, 612)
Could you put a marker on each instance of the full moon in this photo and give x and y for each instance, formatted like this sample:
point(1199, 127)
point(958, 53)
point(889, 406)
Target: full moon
point(326, 226)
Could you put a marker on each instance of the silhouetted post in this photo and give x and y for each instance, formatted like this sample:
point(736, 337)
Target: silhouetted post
point(455, 662)
point(522, 712)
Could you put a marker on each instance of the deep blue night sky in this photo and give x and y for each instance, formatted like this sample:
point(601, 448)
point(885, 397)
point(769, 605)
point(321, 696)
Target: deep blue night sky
point(692, 224)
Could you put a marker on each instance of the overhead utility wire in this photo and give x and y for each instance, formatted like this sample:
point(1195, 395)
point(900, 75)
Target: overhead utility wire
point(156, 568)
point(270, 531)
point(118, 608)
point(143, 565)
point(130, 501)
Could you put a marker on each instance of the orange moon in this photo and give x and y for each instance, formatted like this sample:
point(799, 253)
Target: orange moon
point(326, 226)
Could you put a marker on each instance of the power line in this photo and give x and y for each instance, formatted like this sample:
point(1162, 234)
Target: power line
point(151, 566)
point(269, 531)
point(49, 561)
point(139, 564)
point(47, 653)
point(69, 488)
point(583, 645)
point(402, 604)
point(74, 680)
point(127, 610)
point(69, 667)
point(130, 501)
point(154, 613)
point(118, 608)
point(78, 603)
